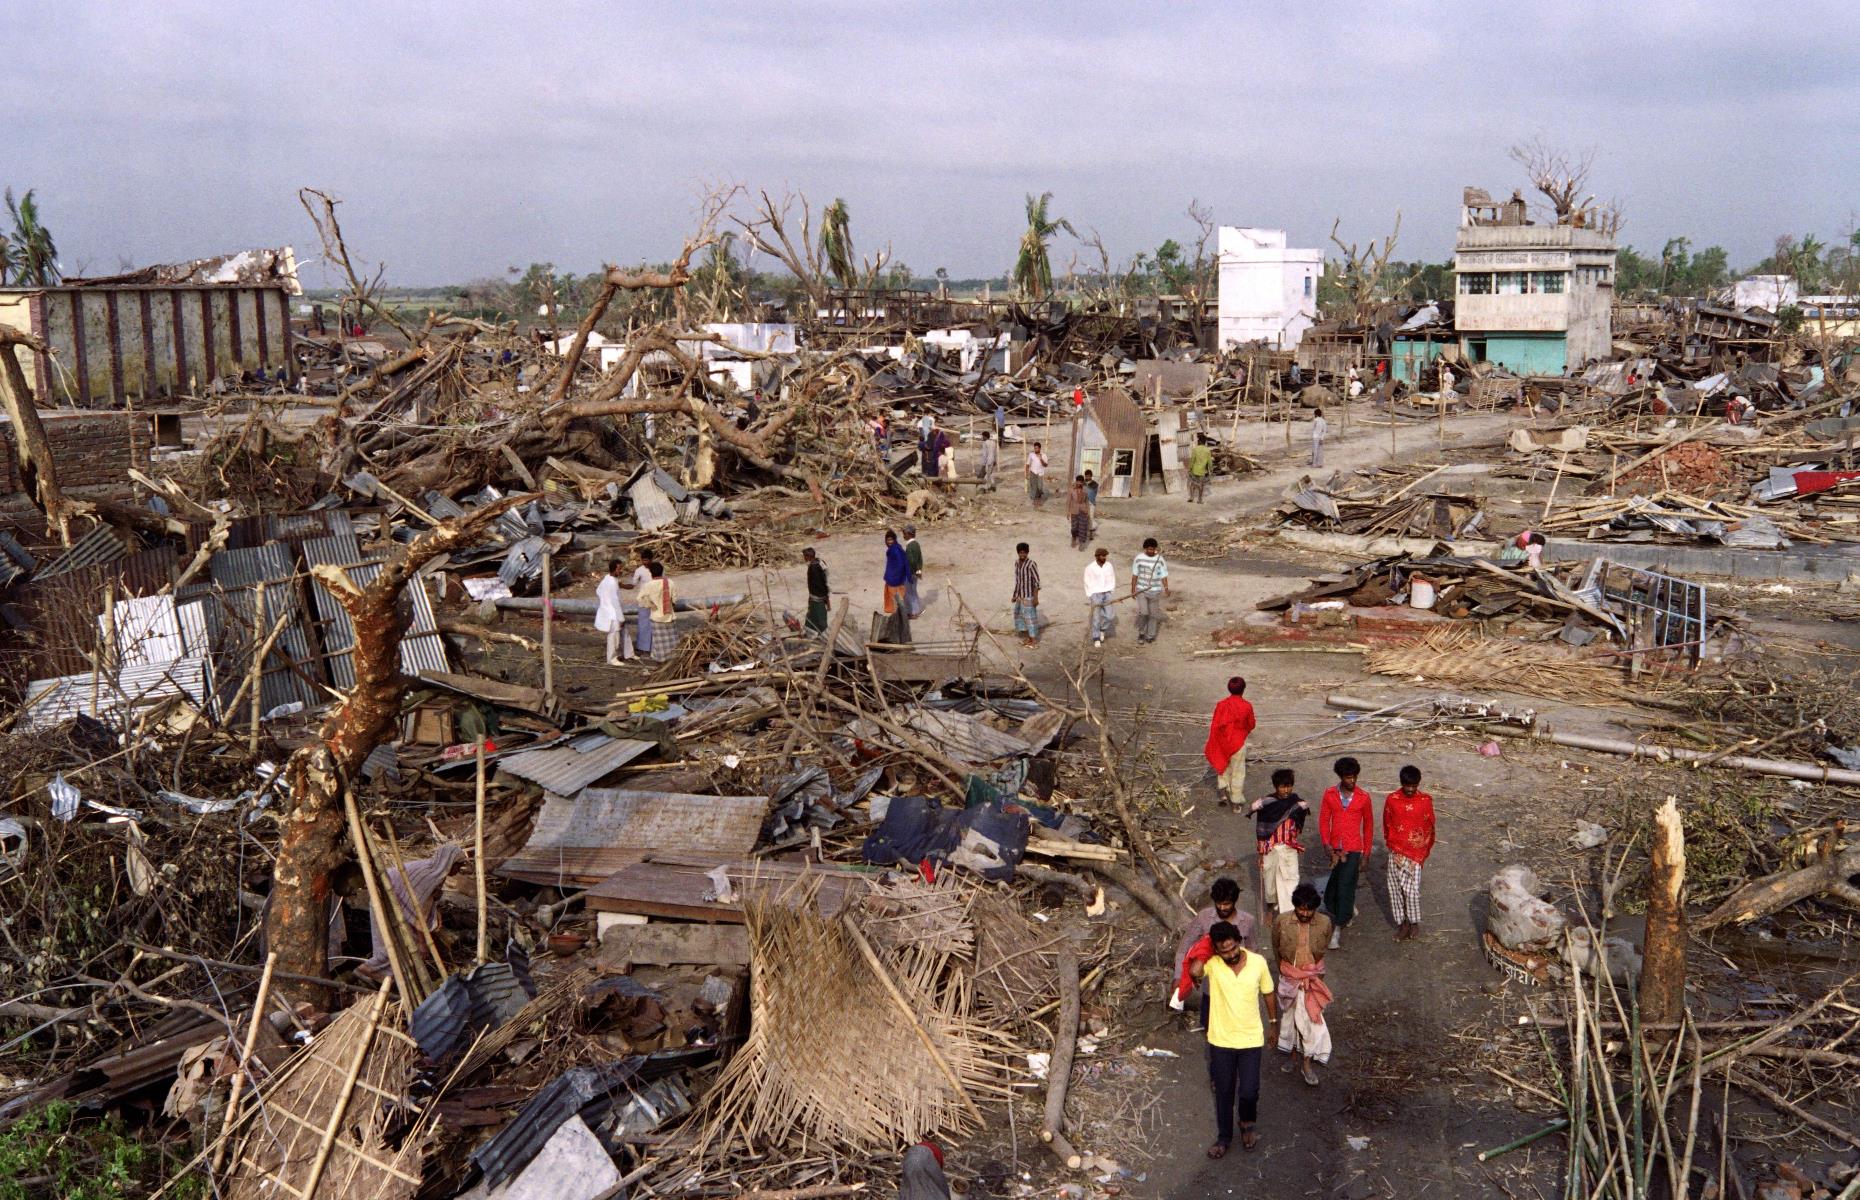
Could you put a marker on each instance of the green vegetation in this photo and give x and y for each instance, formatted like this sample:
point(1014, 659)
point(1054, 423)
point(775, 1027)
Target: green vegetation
point(49, 1153)
point(1033, 269)
point(27, 254)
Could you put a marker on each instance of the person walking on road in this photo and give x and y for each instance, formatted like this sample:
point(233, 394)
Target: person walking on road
point(990, 464)
point(1237, 981)
point(1408, 830)
point(914, 555)
point(1233, 722)
point(1278, 820)
point(1347, 826)
point(1035, 471)
point(1091, 500)
point(1224, 905)
point(897, 586)
point(816, 591)
point(1200, 466)
point(1299, 940)
point(1078, 513)
point(1026, 597)
point(609, 613)
point(1319, 427)
point(1149, 586)
point(1100, 582)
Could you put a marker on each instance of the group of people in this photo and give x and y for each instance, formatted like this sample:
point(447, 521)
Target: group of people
point(1216, 955)
point(1149, 588)
point(654, 632)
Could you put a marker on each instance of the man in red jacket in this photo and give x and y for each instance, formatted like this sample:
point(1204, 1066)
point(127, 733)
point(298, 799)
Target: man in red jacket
point(1347, 826)
point(1226, 748)
point(1408, 828)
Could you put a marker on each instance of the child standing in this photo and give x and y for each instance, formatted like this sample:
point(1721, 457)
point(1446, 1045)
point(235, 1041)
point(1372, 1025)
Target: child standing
point(1408, 828)
point(1278, 820)
point(1347, 826)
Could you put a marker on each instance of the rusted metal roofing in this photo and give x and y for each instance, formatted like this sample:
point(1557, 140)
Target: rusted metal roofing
point(1119, 419)
point(290, 669)
point(581, 761)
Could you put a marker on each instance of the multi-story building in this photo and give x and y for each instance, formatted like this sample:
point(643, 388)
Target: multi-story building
point(1268, 293)
point(1534, 298)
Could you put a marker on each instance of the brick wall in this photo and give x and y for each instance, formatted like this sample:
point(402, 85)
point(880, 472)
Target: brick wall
point(94, 450)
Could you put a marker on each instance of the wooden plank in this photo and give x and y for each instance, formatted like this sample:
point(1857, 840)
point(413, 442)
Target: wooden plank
point(602, 830)
point(656, 888)
point(666, 944)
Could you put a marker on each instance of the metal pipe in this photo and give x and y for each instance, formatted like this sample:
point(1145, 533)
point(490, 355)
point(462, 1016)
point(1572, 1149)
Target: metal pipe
point(1811, 772)
point(585, 608)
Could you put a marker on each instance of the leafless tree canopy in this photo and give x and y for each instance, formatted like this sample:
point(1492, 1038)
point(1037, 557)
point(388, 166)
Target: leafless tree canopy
point(1361, 269)
point(1561, 177)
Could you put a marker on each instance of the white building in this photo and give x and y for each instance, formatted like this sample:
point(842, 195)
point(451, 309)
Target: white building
point(1268, 293)
point(1767, 292)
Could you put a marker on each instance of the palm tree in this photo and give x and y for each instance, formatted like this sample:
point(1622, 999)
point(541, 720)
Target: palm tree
point(836, 242)
point(6, 260)
point(1033, 270)
point(34, 257)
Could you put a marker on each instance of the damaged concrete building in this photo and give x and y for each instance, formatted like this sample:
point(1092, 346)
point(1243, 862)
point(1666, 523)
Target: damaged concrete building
point(1535, 299)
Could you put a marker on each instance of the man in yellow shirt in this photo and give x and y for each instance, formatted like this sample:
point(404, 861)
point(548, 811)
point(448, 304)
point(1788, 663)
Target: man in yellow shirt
point(1237, 982)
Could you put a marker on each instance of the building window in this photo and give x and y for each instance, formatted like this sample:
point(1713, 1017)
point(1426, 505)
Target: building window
point(1476, 283)
point(1307, 287)
point(1548, 282)
point(1512, 283)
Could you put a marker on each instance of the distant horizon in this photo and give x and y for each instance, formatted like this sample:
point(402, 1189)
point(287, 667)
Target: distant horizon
point(473, 137)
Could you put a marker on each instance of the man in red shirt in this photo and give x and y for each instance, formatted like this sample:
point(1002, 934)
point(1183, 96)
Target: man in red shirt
point(1226, 748)
point(1408, 828)
point(1347, 827)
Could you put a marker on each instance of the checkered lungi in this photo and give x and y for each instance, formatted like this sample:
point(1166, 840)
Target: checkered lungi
point(1404, 890)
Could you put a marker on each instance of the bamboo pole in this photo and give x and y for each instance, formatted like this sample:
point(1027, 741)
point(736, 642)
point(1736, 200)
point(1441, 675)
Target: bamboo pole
point(341, 1108)
point(477, 851)
point(245, 1057)
point(548, 623)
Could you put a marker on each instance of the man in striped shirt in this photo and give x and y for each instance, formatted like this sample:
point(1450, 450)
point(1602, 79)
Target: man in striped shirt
point(1149, 583)
point(1026, 597)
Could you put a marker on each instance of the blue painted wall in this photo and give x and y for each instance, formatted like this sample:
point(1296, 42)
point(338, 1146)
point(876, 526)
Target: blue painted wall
point(1407, 358)
point(1527, 353)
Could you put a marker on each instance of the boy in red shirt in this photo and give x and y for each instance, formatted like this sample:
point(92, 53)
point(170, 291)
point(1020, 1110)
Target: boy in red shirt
point(1233, 723)
point(1408, 828)
point(1347, 827)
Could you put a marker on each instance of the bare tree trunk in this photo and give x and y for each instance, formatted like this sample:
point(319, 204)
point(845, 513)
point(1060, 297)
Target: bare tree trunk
point(38, 473)
point(1761, 897)
point(1663, 977)
point(313, 844)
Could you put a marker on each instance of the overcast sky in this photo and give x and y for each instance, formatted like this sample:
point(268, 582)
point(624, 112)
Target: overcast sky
point(464, 138)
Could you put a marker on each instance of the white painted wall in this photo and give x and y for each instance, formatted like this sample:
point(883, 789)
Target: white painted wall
point(1268, 292)
point(1767, 292)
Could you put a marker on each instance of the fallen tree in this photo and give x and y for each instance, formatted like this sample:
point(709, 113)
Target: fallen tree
point(1828, 875)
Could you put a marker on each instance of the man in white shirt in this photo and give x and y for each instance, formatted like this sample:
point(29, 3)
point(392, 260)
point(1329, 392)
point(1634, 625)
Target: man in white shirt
point(609, 614)
point(1036, 476)
point(1100, 582)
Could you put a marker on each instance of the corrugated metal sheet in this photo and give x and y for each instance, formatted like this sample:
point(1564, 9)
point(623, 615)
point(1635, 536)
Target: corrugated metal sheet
point(62, 610)
point(15, 561)
point(153, 629)
point(242, 627)
point(103, 545)
point(422, 649)
point(523, 562)
point(465, 1004)
point(566, 769)
point(52, 702)
point(965, 739)
point(561, 1098)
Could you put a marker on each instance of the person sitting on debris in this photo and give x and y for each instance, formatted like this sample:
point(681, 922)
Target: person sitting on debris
point(1233, 722)
point(658, 637)
point(923, 1177)
point(1299, 940)
point(1200, 466)
point(1078, 514)
point(1355, 378)
point(1408, 829)
point(897, 577)
point(1035, 470)
point(914, 555)
point(1527, 548)
point(1026, 596)
point(609, 613)
point(1149, 586)
point(1347, 827)
point(1278, 820)
point(946, 463)
point(816, 591)
point(989, 464)
point(1319, 427)
point(1100, 582)
point(1237, 981)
